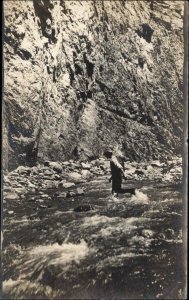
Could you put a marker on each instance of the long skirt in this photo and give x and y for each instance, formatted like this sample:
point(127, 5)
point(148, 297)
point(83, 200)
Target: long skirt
point(116, 184)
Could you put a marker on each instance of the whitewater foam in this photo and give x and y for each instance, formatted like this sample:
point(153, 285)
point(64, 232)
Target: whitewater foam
point(140, 197)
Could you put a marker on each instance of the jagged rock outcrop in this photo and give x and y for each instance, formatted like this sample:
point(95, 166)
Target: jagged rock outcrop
point(81, 75)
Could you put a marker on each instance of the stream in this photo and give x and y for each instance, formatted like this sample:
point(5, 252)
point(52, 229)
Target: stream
point(95, 246)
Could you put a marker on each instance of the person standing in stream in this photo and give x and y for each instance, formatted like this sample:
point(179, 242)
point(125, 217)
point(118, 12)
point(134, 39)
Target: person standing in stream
point(117, 170)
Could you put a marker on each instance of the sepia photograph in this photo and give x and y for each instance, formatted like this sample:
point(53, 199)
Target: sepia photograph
point(94, 149)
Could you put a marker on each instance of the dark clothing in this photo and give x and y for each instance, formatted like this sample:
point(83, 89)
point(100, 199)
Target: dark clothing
point(117, 172)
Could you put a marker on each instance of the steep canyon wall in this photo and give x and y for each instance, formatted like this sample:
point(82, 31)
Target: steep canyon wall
point(83, 75)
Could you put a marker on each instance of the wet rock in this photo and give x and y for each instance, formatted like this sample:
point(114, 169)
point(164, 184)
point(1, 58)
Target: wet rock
point(34, 171)
point(7, 189)
point(157, 164)
point(148, 233)
point(10, 212)
point(83, 208)
point(11, 196)
point(48, 172)
point(70, 194)
point(140, 172)
point(61, 184)
point(39, 200)
point(85, 174)
point(23, 170)
point(75, 177)
point(62, 195)
point(65, 163)
point(45, 196)
point(85, 166)
point(31, 185)
point(80, 192)
point(56, 177)
point(68, 184)
point(42, 206)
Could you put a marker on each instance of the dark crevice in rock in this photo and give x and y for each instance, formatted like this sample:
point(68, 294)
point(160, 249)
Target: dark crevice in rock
point(141, 62)
point(89, 94)
point(24, 54)
point(54, 74)
point(71, 73)
point(42, 11)
point(102, 85)
point(145, 32)
point(95, 8)
point(62, 3)
point(162, 22)
point(89, 66)
point(78, 70)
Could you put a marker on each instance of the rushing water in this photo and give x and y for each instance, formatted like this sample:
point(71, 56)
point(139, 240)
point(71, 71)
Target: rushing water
point(129, 248)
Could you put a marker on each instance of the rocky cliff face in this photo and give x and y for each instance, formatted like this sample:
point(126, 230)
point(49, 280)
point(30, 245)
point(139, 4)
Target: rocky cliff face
point(81, 75)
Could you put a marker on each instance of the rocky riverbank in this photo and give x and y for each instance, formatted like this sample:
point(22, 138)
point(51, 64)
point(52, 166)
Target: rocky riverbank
point(67, 174)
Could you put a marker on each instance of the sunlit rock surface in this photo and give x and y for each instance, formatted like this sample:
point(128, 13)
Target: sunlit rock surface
point(81, 75)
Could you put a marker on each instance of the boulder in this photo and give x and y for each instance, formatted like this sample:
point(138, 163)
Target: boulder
point(56, 166)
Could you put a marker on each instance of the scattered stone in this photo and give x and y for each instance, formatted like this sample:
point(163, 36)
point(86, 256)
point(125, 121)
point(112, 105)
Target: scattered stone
point(62, 195)
point(11, 196)
point(66, 163)
point(85, 173)
point(39, 200)
point(34, 171)
point(85, 166)
point(7, 189)
point(157, 164)
point(148, 233)
point(48, 172)
point(74, 176)
point(70, 194)
point(80, 192)
point(139, 172)
point(43, 206)
point(10, 212)
point(56, 167)
point(23, 170)
point(45, 196)
point(67, 185)
point(61, 184)
point(31, 185)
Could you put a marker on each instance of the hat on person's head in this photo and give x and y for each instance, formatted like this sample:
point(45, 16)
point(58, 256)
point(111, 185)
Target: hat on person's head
point(108, 152)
